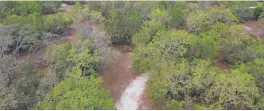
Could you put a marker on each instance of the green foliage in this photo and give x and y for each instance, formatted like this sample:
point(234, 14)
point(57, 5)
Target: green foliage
point(197, 22)
point(165, 46)
point(238, 8)
point(202, 107)
point(261, 16)
point(24, 8)
point(50, 7)
point(260, 103)
point(201, 21)
point(182, 64)
point(30, 13)
point(203, 84)
point(19, 83)
point(175, 105)
point(258, 11)
point(205, 46)
point(66, 56)
point(181, 82)
point(177, 13)
point(150, 28)
point(255, 68)
point(77, 9)
point(222, 16)
point(56, 23)
point(34, 20)
point(21, 39)
point(58, 55)
point(73, 64)
point(169, 82)
point(246, 13)
point(81, 94)
point(85, 59)
point(83, 14)
point(6, 9)
point(122, 24)
point(235, 89)
point(29, 7)
point(203, 76)
point(238, 47)
point(208, 46)
point(46, 84)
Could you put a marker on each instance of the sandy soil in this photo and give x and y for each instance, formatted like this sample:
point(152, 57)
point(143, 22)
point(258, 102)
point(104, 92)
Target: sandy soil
point(255, 27)
point(118, 76)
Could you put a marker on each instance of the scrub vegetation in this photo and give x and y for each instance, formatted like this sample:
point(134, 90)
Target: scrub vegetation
point(199, 54)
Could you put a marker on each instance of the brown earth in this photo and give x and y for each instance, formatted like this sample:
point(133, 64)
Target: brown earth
point(219, 63)
point(118, 76)
point(255, 28)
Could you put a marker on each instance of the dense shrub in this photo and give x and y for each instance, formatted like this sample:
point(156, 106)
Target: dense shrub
point(255, 68)
point(122, 24)
point(258, 11)
point(157, 22)
point(82, 94)
point(19, 83)
point(50, 7)
point(165, 46)
point(201, 21)
point(204, 84)
point(29, 7)
point(238, 47)
point(56, 23)
point(21, 39)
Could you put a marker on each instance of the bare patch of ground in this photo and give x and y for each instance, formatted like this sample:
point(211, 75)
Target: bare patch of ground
point(120, 74)
point(219, 63)
point(255, 27)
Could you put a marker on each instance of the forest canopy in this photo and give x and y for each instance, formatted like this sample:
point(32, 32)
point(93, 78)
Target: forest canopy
point(200, 54)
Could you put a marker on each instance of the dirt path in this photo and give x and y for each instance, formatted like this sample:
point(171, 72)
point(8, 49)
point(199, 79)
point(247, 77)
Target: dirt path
point(120, 78)
point(219, 63)
point(255, 28)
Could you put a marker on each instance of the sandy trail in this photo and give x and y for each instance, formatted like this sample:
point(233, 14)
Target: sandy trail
point(131, 97)
point(125, 85)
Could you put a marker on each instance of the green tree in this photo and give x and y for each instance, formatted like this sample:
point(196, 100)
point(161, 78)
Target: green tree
point(255, 68)
point(122, 24)
point(82, 94)
point(223, 16)
point(49, 7)
point(27, 7)
point(238, 8)
point(196, 22)
point(236, 89)
point(201, 21)
point(169, 82)
point(203, 77)
point(177, 14)
point(181, 82)
point(56, 23)
point(238, 47)
point(157, 22)
point(204, 46)
point(258, 11)
point(58, 55)
point(165, 46)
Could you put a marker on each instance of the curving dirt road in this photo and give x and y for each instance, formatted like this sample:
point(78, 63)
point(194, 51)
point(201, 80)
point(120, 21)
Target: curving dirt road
point(126, 86)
